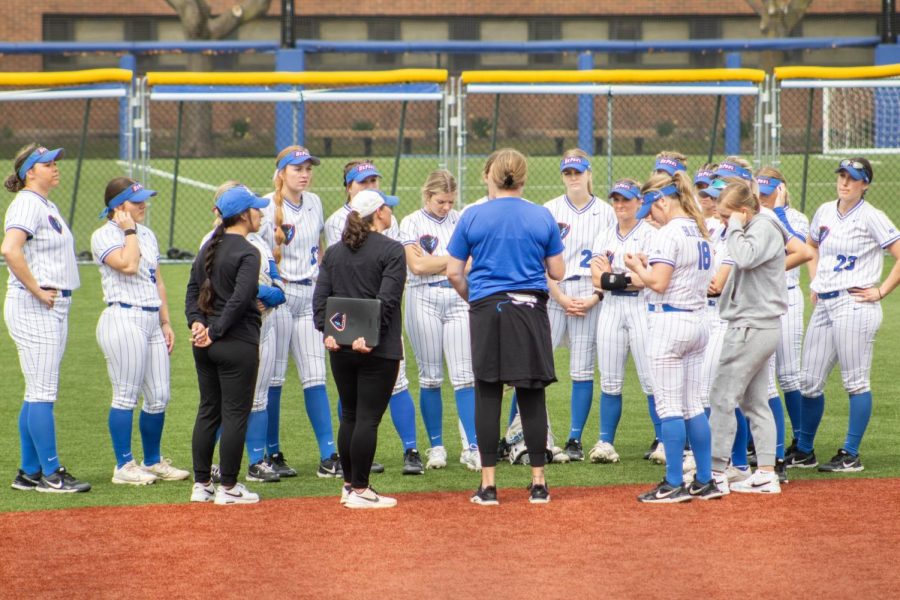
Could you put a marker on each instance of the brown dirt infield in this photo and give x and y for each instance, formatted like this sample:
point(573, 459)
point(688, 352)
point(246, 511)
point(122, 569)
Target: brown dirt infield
point(821, 539)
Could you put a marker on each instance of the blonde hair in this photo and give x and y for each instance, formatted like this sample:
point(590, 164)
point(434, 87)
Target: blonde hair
point(685, 197)
point(743, 162)
point(438, 182)
point(738, 194)
point(572, 153)
point(776, 174)
point(278, 200)
point(509, 169)
point(674, 155)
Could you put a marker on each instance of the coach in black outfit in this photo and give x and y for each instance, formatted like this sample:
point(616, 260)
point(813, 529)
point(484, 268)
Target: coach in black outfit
point(221, 310)
point(365, 264)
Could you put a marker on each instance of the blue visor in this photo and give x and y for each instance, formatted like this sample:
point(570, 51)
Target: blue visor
point(133, 193)
point(627, 190)
point(576, 163)
point(652, 196)
point(238, 199)
point(669, 165)
point(297, 157)
point(40, 155)
point(727, 169)
point(714, 190)
point(704, 176)
point(855, 169)
point(361, 172)
point(767, 185)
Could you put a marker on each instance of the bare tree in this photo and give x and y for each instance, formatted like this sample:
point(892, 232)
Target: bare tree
point(777, 19)
point(198, 23)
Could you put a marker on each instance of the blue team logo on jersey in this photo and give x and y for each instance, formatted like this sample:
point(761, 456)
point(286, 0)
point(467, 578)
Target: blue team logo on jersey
point(429, 243)
point(823, 233)
point(610, 256)
point(55, 224)
point(339, 321)
point(289, 231)
point(564, 229)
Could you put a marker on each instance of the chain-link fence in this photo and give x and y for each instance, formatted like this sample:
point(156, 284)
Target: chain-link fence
point(86, 122)
point(200, 138)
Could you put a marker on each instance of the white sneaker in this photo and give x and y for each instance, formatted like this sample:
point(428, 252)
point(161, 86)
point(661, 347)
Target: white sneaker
point(369, 499)
point(761, 482)
point(165, 471)
point(345, 493)
point(203, 493)
point(658, 456)
point(735, 474)
point(131, 474)
point(722, 482)
point(239, 494)
point(471, 458)
point(603, 452)
point(437, 457)
point(559, 455)
point(688, 463)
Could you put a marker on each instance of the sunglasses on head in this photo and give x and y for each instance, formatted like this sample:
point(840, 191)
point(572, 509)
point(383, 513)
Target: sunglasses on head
point(853, 164)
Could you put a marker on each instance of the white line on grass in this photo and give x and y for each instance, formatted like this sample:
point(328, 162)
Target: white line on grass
point(181, 179)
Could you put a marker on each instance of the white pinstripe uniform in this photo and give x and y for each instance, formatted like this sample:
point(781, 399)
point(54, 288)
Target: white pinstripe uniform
point(622, 323)
point(334, 227)
point(716, 324)
point(678, 337)
point(299, 268)
point(40, 332)
point(578, 229)
point(128, 332)
point(841, 329)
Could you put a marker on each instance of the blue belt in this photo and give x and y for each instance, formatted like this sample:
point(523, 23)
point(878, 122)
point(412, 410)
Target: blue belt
point(573, 278)
point(63, 293)
point(829, 295)
point(631, 294)
point(441, 284)
point(667, 308)
point(302, 281)
point(143, 308)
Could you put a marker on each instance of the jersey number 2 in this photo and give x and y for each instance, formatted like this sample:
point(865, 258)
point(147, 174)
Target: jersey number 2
point(705, 259)
point(586, 259)
point(845, 263)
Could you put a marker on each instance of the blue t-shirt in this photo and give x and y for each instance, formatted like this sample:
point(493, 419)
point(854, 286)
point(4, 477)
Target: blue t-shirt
point(508, 240)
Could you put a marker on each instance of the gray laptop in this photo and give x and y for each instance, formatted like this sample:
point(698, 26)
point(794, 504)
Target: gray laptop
point(347, 319)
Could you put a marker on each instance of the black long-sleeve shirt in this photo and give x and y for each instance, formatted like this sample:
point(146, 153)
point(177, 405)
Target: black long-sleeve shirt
point(376, 270)
point(234, 277)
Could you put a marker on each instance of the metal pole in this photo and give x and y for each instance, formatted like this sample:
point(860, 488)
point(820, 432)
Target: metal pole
point(887, 21)
point(809, 113)
point(715, 130)
point(496, 122)
point(397, 154)
point(287, 24)
point(81, 143)
point(175, 175)
point(609, 140)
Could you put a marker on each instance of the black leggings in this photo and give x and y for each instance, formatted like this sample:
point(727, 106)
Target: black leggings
point(533, 410)
point(364, 383)
point(226, 372)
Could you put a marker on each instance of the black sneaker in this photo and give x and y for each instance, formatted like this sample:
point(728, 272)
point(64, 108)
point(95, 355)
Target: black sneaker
point(705, 491)
point(376, 468)
point(781, 470)
point(842, 462)
point(664, 493)
point(330, 467)
point(574, 450)
point(790, 449)
point(280, 466)
point(215, 474)
point(651, 450)
point(26, 482)
point(538, 493)
point(263, 471)
point(503, 449)
point(61, 482)
point(412, 463)
point(801, 460)
point(485, 496)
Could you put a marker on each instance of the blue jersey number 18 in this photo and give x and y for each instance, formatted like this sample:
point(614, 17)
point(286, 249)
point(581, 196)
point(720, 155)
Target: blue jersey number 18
point(705, 259)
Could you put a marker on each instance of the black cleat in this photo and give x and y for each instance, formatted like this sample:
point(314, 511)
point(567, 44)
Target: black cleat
point(26, 482)
point(485, 496)
point(330, 467)
point(280, 466)
point(664, 493)
point(781, 470)
point(61, 482)
point(790, 449)
point(376, 468)
point(215, 474)
point(264, 472)
point(843, 462)
point(412, 463)
point(502, 449)
point(651, 450)
point(705, 491)
point(574, 450)
point(801, 460)
point(538, 493)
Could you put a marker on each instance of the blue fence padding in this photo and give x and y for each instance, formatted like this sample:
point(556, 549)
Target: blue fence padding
point(126, 142)
point(586, 109)
point(732, 111)
point(887, 118)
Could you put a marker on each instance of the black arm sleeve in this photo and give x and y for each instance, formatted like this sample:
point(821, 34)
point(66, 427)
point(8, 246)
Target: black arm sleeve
point(393, 278)
point(191, 298)
point(322, 292)
point(243, 298)
point(614, 281)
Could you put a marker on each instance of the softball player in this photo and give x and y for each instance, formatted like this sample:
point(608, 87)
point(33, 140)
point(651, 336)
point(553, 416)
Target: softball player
point(134, 331)
point(676, 275)
point(292, 227)
point(362, 175)
point(850, 236)
point(669, 163)
point(40, 255)
point(622, 323)
point(436, 318)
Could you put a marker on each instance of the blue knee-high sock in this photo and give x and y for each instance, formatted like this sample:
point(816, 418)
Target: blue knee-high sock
point(120, 421)
point(699, 434)
point(30, 462)
point(673, 438)
point(151, 426)
point(778, 413)
point(42, 428)
point(654, 417)
point(860, 411)
point(810, 417)
point(257, 424)
point(273, 412)
point(465, 407)
point(316, 399)
point(739, 448)
point(610, 413)
point(582, 397)
point(793, 401)
point(432, 409)
point(513, 409)
point(403, 414)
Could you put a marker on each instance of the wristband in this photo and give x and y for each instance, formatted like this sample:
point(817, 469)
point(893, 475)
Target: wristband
point(131, 232)
point(599, 295)
point(614, 281)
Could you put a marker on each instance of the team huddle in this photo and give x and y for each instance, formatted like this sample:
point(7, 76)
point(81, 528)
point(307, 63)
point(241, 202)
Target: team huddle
point(698, 279)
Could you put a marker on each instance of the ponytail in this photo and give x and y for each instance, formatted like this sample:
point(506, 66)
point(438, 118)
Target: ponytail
point(688, 202)
point(356, 230)
point(278, 202)
point(13, 182)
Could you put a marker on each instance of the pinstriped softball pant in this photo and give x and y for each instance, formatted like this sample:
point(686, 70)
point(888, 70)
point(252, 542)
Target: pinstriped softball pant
point(622, 327)
point(579, 332)
point(677, 343)
point(437, 322)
